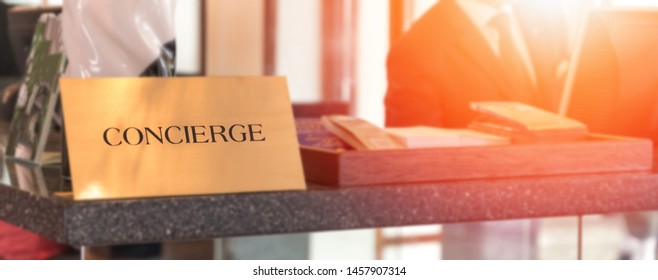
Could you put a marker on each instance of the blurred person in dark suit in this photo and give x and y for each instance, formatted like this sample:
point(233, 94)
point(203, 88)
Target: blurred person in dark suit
point(463, 51)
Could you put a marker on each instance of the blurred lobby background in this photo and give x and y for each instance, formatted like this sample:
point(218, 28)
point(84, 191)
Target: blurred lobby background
point(335, 51)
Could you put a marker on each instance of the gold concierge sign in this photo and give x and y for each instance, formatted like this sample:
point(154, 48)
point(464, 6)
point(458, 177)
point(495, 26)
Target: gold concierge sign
point(151, 137)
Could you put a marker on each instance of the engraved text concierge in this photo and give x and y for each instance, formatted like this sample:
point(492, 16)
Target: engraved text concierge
point(192, 134)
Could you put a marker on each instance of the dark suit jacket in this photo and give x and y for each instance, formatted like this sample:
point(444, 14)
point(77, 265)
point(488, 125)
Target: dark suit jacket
point(443, 63)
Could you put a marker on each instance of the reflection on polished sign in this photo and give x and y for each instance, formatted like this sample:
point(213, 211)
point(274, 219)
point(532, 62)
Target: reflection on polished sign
point(149, 137)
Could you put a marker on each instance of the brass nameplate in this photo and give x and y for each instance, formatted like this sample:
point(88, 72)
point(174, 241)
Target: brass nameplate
point(151, 137)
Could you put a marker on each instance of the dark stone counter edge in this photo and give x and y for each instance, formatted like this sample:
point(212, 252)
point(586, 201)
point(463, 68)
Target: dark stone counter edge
point(34, 213)
point(186, 218)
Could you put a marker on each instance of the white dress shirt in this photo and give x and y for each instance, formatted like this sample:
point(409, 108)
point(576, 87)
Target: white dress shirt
point(481, 15)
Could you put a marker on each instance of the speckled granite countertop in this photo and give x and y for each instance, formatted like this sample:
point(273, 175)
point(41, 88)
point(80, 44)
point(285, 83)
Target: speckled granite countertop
point(29, 198)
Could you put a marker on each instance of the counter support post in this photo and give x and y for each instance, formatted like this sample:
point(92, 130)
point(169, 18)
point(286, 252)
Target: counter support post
point(580, 237)
point(94, 253)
